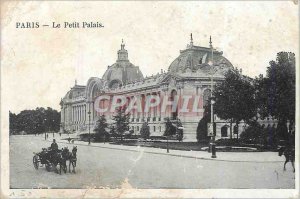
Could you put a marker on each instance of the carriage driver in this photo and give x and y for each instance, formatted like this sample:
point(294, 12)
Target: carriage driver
point(54, 146)
point(53, 149)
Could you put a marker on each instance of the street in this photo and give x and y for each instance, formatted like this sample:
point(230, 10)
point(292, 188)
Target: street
point(113, 168)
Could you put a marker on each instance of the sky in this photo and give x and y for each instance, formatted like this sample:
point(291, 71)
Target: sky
point(38, 66)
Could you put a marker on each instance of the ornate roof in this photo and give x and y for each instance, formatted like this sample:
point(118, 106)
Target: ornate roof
point(75, 92)
point(199, 59)
point(122, 72)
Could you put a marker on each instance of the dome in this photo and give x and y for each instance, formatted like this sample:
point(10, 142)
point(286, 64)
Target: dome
point(76, 91)
point(122, 72)
point(197, 58)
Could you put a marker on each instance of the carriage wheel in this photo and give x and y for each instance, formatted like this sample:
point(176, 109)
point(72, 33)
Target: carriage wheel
point(35, 161)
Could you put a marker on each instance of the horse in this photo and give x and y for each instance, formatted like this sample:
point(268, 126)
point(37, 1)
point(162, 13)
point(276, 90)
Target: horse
point(289, 155)
point(72, 158)
point(59, 157)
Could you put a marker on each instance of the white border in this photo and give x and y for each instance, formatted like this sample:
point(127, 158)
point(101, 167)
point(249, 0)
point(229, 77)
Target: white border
point(141, 193)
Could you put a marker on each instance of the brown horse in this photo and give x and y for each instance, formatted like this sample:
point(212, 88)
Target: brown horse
point(289, 154)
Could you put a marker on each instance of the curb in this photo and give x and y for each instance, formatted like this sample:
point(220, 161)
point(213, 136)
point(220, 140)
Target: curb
point(168, 154)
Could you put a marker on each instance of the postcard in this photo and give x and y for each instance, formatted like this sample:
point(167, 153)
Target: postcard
point(149, 99)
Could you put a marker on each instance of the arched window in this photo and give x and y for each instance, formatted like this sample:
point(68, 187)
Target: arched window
point(115, 84)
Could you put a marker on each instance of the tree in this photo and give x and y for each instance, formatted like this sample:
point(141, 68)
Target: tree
point(121, 121)
point(35, 121)
point(259, 134)
point(13, 124)
point(202, 125)
point(100, 129)
point(253, 133)
point(276, 92)
point(145, 130)
point(112, 131)
point(52, 120)
point(234, 98)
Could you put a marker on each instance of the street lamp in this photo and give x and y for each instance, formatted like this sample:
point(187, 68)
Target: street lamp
point(167, 136)
point(89, 127)
point(45, 128)
point(52, 129)
point(213, 144)
point(212, 101)
point(167, 144)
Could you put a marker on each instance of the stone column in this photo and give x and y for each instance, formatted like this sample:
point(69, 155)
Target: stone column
point(67, 115)
point(61, 113)
point(159, 106)
point(138, 114)
point(93, 111)
point(148, 115)
point(64, 116)
point(134, 111)
point(84, 113)
point(76, 114)
point(151, 109)
point(81, 113)
point(166, 97)
point(72, 116)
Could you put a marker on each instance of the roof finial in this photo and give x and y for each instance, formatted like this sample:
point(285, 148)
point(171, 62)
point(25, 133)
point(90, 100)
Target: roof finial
point(191, 43)
point(75, 82)
point(210, 42)
point(122, 44)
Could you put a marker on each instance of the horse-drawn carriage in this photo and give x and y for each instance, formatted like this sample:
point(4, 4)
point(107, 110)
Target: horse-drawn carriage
point(52, 158)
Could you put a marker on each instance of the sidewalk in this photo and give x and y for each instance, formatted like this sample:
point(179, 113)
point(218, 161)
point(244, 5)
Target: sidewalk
point(258, 157)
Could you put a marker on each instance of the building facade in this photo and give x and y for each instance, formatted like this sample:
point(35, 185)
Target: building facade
point(193, 73)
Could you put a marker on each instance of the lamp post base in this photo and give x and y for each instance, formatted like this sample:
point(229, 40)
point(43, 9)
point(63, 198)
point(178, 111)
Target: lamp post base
point(213, 150)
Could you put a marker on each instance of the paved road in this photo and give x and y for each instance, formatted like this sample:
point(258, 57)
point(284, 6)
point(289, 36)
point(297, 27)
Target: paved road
point(103, 167)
